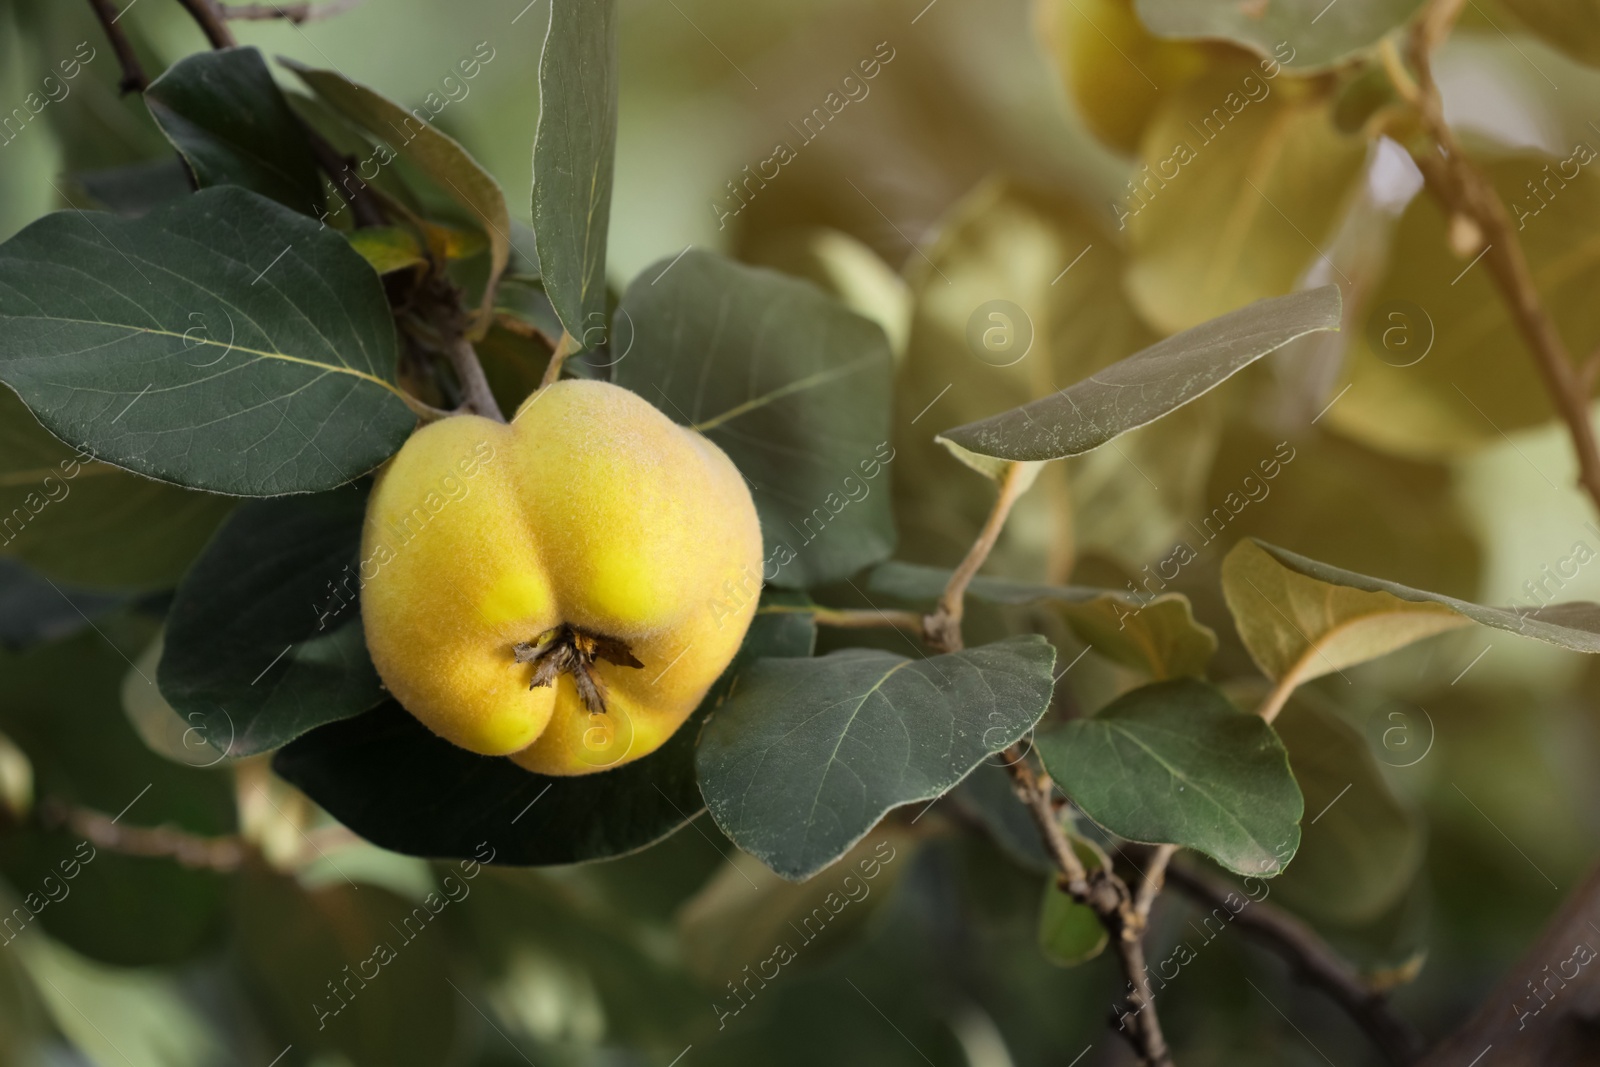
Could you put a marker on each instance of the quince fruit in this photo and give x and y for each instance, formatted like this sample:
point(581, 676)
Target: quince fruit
point(558, 589)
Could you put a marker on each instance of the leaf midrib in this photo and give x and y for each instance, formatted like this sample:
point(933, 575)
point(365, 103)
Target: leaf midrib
point(335, 368)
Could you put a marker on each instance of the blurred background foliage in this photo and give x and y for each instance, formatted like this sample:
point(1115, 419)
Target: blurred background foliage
point(990, 153)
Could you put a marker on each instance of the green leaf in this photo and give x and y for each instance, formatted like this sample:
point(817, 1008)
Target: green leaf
point(387, 248)
point(846, 269)
point(33, 609)
point(1298, 628)
point(1149, 384)
point(225, 115)
point(1304, 36)
point(264, 638)
point(436, 154)
point(84, 523)
point(987, 797)
point(1113, 69)
point(1246, 179)
point(135, 188)
point(790, 384)
point(574, 154)
point(1158, 635)
point(356, 969)
point(221, 342)
point(1020, 293)
point(61, 704)
point(1370, 607)
point(1069, 933)
point(1362, 847)
point(807, 755)
point(745, 911)
point(1570, 25)
point(1176, 763)
point(365, 771)
point(1438, 367)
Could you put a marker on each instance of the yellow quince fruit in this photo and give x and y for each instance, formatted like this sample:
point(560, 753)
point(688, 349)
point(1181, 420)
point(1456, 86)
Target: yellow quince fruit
point(564, 589)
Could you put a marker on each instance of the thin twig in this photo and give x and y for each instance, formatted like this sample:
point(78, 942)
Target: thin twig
point(1155, 876)
point(564, 348)
point(474, 386)
point(1107, 894)
point(205, 14)
point(296, 13)
point(189, 850)
point(943, 627)
point(1464, 191)
point(850, 618)
point(134, 79)
point(1313, 963)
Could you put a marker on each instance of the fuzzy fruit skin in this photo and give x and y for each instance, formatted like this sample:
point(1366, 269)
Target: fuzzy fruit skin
point(591, 508)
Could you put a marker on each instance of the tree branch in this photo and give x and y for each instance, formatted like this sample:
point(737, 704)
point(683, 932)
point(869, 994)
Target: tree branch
point(1465, 192)
point(1512, 1018)
point(296, 13)
point(943, 627)
point(205, 13)
point(1313, 963)
point(851, 618)
point(474, 386)
point(134, 79)
point(189, 850)
point(1107, 894)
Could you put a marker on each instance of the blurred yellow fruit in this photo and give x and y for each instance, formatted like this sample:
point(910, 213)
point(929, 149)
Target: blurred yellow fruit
point(564, 589)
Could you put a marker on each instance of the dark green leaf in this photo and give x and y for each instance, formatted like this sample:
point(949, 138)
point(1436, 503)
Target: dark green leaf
point(574, 153)
point(986, 795)
point(794, 387)
point(224, 113)
point(33, 609)
point(136, 188)
point(1149, 384)
point(60, 703)
point(355, 969)
point(86, 523)
point(1176, 763)
point(1361, 846)
point(1302, 36)
point(1574, 624)
point(1156, 635)
point(366, 771)
point(221, 342)
point(264, 639)
point(806, 756)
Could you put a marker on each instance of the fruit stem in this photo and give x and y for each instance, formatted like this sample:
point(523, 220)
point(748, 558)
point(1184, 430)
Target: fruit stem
point(474, 386)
